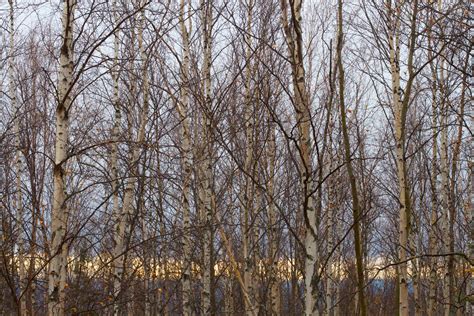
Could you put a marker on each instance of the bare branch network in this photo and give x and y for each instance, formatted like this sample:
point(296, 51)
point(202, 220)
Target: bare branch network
point(251, 157)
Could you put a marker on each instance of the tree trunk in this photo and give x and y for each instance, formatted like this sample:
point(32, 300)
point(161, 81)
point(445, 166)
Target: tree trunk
point(124, 224)
point(331, 217)
point(205, 191)
point(163, 261)
point(248, 188)
point(434, 185)
point(470, 216)
point(18, 164)
point(274, 282)
point(400, 108)
point(294, 39)
point(115, 140)
point(444, 189)
point(453, 304)
point(186, 164)
point(416, 264)
point(356, 209)
point(57, 266)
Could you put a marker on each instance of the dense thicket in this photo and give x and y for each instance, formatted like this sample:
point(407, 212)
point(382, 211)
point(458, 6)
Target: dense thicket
point(257, 157)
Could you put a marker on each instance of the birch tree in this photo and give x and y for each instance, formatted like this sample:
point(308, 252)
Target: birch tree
point(215, 157)
point(124, 223)
point(57, 267)
point(356, 208)
point(18, 162)
point(400, 107)
point(434, 179)
point(294, 41)
point(205, 166)
point(247, 194)
point(186, 160)
point(273, 252)
point(115, 139)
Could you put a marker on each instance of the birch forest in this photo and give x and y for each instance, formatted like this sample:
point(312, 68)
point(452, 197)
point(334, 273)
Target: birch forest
point(236, 157)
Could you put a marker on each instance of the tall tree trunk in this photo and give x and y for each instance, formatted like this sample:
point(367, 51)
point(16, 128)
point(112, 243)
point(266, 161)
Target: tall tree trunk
point(35, 210)
point(248, 188)
point(394, 43)
point(274, 282)
point(331, 218)
point(146, 234)
point(416, 264)
point(470, 216)
point(434, 183)
point(444, 187)
point(186, 163)
point(18, 163)
point(124, 223)
point(115, 139)
point(163, 261)
point(205, 183)
point(331, 190)
point(452, 193)
point(400, 108)
point(294, 40)
point(338, 227)
point(356, 209)
point(57, 266)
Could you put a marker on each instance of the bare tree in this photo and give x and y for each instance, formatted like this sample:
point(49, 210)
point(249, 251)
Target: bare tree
point(57, 267)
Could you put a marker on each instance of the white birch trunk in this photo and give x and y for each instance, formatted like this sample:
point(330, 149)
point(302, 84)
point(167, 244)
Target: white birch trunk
point(403, 238)
point(248, 197)
point(147, 241)
point(470, 216)
point(434, 190)
point(331, 273)
point(444, 191)
point(123, 224)
point(205, 167)
point(273, 229)
point(57, 266)
point(303, 117)
point(186, 164)
point(454, 300)
point(18, 163)
point(400, 108)
point(115, 140)
point(163, 261)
